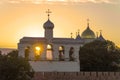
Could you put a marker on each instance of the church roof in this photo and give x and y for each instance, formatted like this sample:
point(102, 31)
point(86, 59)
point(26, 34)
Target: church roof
point(48, 24)
point(66, 41)
point(88, 33)
point(101, 38)
point(78, 37)
point(32, 39)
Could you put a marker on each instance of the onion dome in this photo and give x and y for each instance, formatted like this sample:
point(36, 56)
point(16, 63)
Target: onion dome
point(88, 33)
point(78, 35)
point(48, 25)
point(101, 38)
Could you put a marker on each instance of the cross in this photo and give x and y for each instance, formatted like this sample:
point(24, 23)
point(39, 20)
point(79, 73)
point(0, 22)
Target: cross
point(100, 32)
point(88, 22)
point(78, 31)
point(48, 12)
point(71, 34)
point(76, 34)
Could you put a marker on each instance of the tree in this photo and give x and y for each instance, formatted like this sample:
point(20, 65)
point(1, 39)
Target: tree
point(13, 67)
point(99, 56)
point(13, 53)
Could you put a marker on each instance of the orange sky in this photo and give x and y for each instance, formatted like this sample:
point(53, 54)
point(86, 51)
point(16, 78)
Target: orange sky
point(20, 18)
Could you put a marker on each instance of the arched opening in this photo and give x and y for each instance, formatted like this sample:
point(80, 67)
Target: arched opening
point(79, 52)
point(49, 54)
point(37, 52)
point(71, 54)
point(27, 51)
point(61, 53)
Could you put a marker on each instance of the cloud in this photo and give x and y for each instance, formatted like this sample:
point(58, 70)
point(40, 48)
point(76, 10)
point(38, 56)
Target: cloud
point(57, 1)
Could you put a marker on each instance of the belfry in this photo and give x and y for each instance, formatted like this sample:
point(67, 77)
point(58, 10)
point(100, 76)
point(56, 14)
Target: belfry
point(48, 26)
point(49, 54)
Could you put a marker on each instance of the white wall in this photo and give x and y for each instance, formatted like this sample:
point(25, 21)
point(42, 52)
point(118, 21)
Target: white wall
point(55, 66)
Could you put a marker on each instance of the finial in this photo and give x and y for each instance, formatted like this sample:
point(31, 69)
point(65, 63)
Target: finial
point(97, 34)
point(71, 35)
point(78, 31)
point(100, 32)
point(48, 12)
point(88, 22)
point(76, 34)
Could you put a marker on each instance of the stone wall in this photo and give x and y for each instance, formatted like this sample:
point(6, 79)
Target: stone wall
point(77, 76)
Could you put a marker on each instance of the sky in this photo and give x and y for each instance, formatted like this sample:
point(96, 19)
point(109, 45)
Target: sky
point(25, 18)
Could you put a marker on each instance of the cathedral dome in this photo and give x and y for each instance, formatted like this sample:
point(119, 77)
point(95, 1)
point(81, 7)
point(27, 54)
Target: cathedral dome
point(88, 33)
point(48, 24)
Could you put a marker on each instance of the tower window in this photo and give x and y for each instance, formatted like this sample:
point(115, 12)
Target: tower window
point(49, 47)
point(27, 51)
point(37, 52)
point(71, 54)
point(49, 54)
point(61, 53)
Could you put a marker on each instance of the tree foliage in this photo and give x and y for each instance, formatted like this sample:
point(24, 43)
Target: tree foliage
point(13, 67)
point(99, 56)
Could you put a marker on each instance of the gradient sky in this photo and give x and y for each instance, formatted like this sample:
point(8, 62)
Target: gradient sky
point(19, 18)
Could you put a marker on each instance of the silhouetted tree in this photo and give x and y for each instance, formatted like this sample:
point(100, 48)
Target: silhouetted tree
point(13, 67)
point(13, 53)
point(99, 56)
point(0, 52)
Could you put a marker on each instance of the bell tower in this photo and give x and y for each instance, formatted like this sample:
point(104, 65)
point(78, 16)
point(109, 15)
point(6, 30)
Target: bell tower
point(48, 26)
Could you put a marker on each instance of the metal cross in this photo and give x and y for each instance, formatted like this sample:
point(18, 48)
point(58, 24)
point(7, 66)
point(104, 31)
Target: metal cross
point(78, 31)
point(48, 12)
point(71, 34)
point(88, 22)
point(100, 32)
point(97, 34)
